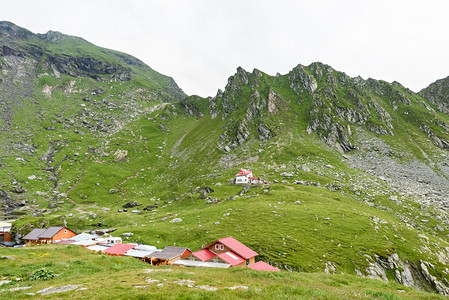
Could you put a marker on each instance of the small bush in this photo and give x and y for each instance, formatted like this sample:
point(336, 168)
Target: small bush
point(42, 274)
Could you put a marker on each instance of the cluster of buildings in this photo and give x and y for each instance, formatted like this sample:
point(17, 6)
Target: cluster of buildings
point(223, 253)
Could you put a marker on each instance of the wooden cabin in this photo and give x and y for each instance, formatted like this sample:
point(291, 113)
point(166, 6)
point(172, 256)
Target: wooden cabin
point(233, 246)
point(167, 256)
point(222, 253)
point(40, 236)
point(5, 237)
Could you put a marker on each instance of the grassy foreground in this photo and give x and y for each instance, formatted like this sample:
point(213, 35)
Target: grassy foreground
point(104, 277)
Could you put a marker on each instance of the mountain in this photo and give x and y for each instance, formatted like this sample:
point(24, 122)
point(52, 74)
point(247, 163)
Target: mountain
point(356, 170)
point(54, 83)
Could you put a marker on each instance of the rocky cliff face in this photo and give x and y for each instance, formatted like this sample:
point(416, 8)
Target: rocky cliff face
point(334, 103)
point(438, 94)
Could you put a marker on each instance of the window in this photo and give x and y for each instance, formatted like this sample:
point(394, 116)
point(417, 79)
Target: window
point(65, 231)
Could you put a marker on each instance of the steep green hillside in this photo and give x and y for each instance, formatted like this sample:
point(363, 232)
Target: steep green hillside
point(60, 97)
point(355, 170)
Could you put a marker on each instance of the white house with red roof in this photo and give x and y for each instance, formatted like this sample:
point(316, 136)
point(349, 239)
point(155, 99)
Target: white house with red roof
point(245, 176)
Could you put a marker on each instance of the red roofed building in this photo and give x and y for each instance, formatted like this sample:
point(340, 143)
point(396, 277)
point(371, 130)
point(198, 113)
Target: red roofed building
point(223, 253)
point(245, 176)
point(231, 244)
point(119, 249)
point(263, 266)
point(232, 258)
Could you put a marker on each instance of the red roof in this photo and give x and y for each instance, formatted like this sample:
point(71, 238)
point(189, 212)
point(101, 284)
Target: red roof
point(237, 247)
point(119, 249)
point(253, 178)
point(243, 172)
point(204, 254)
point(231, 258)
point(263, 266)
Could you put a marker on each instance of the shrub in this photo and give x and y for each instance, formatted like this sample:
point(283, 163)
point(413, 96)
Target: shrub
point(42, 274)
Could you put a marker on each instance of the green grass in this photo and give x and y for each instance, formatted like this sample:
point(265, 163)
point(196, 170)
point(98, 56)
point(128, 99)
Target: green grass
point(171, 154)
point(125, 278)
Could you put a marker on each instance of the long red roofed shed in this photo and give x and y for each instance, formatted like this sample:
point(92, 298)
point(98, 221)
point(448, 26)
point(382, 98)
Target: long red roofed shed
point(263, 266)
point(119, 249)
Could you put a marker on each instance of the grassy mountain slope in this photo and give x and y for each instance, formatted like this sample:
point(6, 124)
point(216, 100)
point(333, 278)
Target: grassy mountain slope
point(134, 279)
point(357, 170)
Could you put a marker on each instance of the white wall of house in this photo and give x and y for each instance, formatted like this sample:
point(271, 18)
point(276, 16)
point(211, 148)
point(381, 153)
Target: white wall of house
point(241, 179)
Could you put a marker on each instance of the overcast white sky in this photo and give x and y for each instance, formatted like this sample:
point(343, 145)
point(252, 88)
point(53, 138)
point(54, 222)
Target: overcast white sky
point(200, 43)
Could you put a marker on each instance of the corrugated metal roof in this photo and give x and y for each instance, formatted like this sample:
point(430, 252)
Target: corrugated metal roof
point(169, 253)
point(139, 253)
point(34, 234)
point(204, 254)
point(263, 266)
point(85, 242)
point(145, 248)
point(83, 236)
point(50, 232)
point(231, 258)
point(237, 247)
point(195, 263)
point(64, 242)
point(119, 249)
point(98, 248)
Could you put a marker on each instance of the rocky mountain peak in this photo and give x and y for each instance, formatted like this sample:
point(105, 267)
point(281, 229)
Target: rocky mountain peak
point(438, 94)
point(11, 30)
point(52, 36)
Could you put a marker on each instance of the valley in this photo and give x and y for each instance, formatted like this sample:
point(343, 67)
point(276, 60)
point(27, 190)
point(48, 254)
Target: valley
point(356, 170)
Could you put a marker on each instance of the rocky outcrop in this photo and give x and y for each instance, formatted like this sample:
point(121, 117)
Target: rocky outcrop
point(438, 141)
point(301, 81)
point(90, 67)
point(439, 286)
point(413, 275)
point(438, 94)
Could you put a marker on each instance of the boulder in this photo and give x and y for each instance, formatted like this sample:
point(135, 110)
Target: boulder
point(207, 190)
point(18, 189)
point(287, 174)
point(104, 231)
point(52, 205)
point(131, 204)
point(113, 191)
